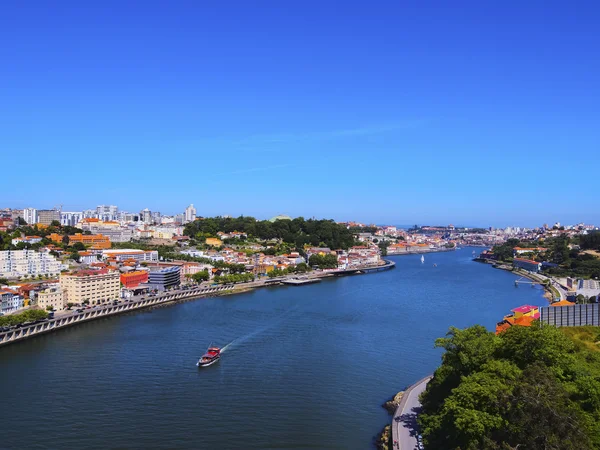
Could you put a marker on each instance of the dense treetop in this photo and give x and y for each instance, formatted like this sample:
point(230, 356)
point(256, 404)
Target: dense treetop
point(528, 388)
point(298, 232)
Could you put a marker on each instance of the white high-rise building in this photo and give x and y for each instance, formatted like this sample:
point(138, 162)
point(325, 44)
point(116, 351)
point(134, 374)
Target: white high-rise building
point(190, 213)
point(19, 263)
point(107, 212)
point(68, 218)
point(146, 216)
point(30, 215)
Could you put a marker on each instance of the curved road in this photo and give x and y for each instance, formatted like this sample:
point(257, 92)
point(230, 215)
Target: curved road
point(404, 424)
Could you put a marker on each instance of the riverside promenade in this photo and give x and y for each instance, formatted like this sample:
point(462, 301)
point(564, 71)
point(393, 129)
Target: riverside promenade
point(404, 423)
point(136, 303)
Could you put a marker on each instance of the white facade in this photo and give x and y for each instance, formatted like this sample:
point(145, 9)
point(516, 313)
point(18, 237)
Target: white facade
point(30, 215)
point(146, 216)
point(190, 213)
point(107, 212)
point(27, 240)
point(20, 263)
point(138, 255)
point(11, 302)
point(53, 297)
point(70, 218)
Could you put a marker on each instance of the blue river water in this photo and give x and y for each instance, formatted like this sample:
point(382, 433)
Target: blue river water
point(303, 367)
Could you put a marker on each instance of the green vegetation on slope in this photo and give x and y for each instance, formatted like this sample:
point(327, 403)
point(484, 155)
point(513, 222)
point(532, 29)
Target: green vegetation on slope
point(298, 232)
point(528, 388)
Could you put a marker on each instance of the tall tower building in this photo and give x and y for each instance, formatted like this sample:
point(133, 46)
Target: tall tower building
point(146, 216)
point(30, 215)
point(190, 213)
point(107, 212)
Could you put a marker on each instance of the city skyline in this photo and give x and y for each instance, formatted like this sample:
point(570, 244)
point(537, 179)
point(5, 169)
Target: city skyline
point(483, 114)
point(114, 211)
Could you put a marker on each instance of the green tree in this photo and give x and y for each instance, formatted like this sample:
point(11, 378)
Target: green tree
point(201, 276)
point(78, 246)
point(65, 240)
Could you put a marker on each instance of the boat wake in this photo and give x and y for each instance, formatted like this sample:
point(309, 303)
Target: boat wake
point(278, 320)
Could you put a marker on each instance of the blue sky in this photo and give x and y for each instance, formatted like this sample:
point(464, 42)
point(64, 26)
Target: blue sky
point(481, 113)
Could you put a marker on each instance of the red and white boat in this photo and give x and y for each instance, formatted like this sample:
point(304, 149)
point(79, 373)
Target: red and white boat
point(211, 356)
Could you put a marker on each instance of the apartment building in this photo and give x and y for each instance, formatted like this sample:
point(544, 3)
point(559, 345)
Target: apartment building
point(137, 255)
point(164, 278)
point(47, 216)
point(53, 297)
point(30, 215)
point(10, 301)
point(133, 279)
point(20, 263)
point(93, 286)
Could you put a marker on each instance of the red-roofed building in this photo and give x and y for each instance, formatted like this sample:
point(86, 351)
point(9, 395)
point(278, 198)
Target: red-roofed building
point(527, 264)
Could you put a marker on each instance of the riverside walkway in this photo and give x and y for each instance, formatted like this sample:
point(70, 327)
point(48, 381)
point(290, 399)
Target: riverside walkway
point(404, 424)
point(136, 303)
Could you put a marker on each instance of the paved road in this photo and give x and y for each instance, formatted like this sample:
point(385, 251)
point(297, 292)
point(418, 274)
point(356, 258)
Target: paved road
point(404, 430)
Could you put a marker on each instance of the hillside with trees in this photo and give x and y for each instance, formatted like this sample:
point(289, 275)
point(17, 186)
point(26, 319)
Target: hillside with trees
point(527, 388)
point(298, 232)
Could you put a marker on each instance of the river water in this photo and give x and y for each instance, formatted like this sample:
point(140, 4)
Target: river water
point(304, 367)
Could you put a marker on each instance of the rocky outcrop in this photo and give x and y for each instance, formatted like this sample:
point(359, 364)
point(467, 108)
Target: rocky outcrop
point(383, 440)
point(392, 404)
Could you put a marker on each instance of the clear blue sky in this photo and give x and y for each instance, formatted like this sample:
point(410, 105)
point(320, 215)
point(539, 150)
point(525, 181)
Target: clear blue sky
point(482, 112)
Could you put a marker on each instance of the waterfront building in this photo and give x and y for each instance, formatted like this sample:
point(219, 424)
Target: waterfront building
point(132, 279)
point(30, 216)
point(522, 316)
point(527, 264)
point(190, 213)
point(164, 278)
point(135, 254)
point(25, 263)
point(53, 297)
point(95, 241)
point(93, 286)
point(11, 301)
point(47, 216)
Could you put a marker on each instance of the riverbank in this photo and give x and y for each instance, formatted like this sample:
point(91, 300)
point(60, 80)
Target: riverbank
point(284, 328)
point(142, 302)
point(550, 292)
point(422, 252)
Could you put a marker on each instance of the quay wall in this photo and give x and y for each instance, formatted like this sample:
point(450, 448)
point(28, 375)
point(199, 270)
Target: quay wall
point(46, 326)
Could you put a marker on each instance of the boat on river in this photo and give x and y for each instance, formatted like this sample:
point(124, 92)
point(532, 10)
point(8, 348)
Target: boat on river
point(422, 259)
point(212, 355)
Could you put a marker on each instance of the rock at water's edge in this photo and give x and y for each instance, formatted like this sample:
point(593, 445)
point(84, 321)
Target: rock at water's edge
point(383, 440)
point(392, 404)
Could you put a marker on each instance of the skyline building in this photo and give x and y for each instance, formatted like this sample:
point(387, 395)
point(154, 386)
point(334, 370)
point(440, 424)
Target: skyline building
point(190, 213)
point(30, 215)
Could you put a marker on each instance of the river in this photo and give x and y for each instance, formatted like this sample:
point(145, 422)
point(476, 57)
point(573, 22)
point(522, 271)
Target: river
point(304, 367)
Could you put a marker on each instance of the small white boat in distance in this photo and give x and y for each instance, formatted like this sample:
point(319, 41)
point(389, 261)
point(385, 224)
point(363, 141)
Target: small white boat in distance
point(422, 259)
